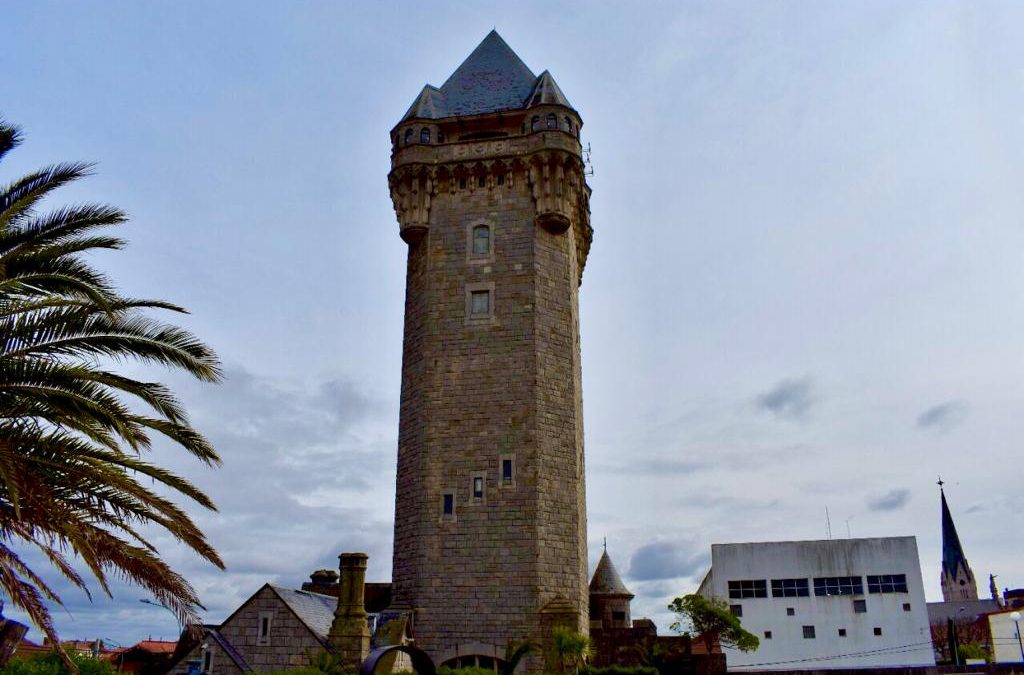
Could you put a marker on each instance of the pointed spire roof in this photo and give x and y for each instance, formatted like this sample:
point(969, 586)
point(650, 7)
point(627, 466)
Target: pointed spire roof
point(546, 91)
point(429, 104)
point(606, 579)
point(491, 79)
point(952, 552)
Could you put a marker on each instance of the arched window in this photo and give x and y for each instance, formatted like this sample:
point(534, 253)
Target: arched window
point(424, 135)
point(552, 121)
point(535, 123)
point(568, 124)
point(408, 136)
point(440, 137)
point(481, 240)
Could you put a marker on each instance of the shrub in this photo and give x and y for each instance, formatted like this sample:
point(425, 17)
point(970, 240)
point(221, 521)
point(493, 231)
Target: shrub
point(52, 664)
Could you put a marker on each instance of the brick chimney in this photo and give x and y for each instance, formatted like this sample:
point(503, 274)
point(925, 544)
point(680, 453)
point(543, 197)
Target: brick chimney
point(350, 633)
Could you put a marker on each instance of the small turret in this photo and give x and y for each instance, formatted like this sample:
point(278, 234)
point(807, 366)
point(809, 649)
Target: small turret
point(609, 597)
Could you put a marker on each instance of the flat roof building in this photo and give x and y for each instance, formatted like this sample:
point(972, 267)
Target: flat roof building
point(825, 604)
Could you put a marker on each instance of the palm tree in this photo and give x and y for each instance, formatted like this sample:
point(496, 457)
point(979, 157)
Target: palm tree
point(74, 483)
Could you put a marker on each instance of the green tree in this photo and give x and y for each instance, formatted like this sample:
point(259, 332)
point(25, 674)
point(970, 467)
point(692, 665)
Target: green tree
point(73, 432)
point(571, 648)
point(711, 618)
point(54, 664)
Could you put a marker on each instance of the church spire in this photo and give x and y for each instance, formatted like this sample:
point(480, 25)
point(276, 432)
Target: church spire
point(957, 578)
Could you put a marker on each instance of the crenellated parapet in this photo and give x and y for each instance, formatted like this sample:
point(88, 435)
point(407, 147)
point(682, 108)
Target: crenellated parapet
point(548, 163)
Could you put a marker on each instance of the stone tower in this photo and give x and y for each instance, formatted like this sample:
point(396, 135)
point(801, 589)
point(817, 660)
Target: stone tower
point(490, 513)
point(957, 578)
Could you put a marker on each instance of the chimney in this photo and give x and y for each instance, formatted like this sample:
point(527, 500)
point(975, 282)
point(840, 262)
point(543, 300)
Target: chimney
point(350, 633)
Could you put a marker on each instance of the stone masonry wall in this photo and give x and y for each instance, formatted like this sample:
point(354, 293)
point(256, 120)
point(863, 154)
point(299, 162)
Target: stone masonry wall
point(475, 392)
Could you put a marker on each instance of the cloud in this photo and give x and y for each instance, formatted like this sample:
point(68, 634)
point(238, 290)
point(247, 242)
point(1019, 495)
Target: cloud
point(789, 399)
point(943, 417)
point(667, 560)
point(308, 472)
point(890, 501)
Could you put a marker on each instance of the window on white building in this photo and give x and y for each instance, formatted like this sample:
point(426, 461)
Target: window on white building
point(860, 606)
point(748, 588)
point(887, 583)
point(838, 586)
point(790, 588)
point(808, 632)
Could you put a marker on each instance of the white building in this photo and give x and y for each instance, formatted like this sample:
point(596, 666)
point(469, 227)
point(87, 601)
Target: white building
point(1007, 645)
point(841, 603)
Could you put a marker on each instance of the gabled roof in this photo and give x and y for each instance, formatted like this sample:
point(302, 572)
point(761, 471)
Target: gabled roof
point(546, 91)
point(952, 552)
point(491, 79)
point(314, 610)
point(606, 579)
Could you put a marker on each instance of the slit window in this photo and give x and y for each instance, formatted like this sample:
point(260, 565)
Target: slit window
point(263, 629)
point(887, 583)
point(568, 124)
point(448, 505)
point(462, 183)
point(207, 659)
point(481, 181)
point(501, 179)
point(506, 470)
point(481, 240)
point(824, 586)
point(748, 588)
point(552, 121)
point(478, 487)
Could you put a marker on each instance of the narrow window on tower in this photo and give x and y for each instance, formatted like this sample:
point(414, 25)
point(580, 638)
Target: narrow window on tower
point(480, 303)
point(478, 487)
point(568, 124)
point(448, 506)
point(535, 123)
point(552, 121)
point(480, 299)
point(425, 136)
point(481, 240)
point(481, 181)
point(408, 136)
point(506, 470)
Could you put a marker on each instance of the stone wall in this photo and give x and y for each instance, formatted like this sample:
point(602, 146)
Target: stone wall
point(476, 391)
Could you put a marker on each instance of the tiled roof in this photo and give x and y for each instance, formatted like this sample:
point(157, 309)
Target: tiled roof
point(606, 580)
point(492, 78)
point(313, 609)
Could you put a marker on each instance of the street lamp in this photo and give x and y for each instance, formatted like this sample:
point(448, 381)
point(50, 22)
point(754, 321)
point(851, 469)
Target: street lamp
point(1016, 618)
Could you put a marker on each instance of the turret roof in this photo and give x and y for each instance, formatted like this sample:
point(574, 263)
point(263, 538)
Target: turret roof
point(491, 79)
point(606, 579)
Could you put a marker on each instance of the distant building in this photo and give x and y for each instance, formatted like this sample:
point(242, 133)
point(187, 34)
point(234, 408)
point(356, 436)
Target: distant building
point(960, 604)
point(957, 579)
point(146, 657)
point(1007, 645)
point(275, 629)
point(827, 604)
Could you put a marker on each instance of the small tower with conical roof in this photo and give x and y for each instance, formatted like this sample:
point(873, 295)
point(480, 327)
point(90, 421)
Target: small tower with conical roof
point(488, 186)
point(957, 579)
point(609, 597)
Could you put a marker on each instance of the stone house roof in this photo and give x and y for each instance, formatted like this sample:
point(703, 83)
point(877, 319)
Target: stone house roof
point(314, 610)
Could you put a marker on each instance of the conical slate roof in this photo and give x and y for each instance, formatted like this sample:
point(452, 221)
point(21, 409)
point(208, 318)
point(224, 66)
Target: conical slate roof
point(492, 78)
point(547, 91)
point(606, 579)
point(952, 552)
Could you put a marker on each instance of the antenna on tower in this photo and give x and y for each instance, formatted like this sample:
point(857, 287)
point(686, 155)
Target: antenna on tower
point(588, 167)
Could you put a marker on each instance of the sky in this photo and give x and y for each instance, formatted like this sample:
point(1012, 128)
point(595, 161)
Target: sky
point(803, 297)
